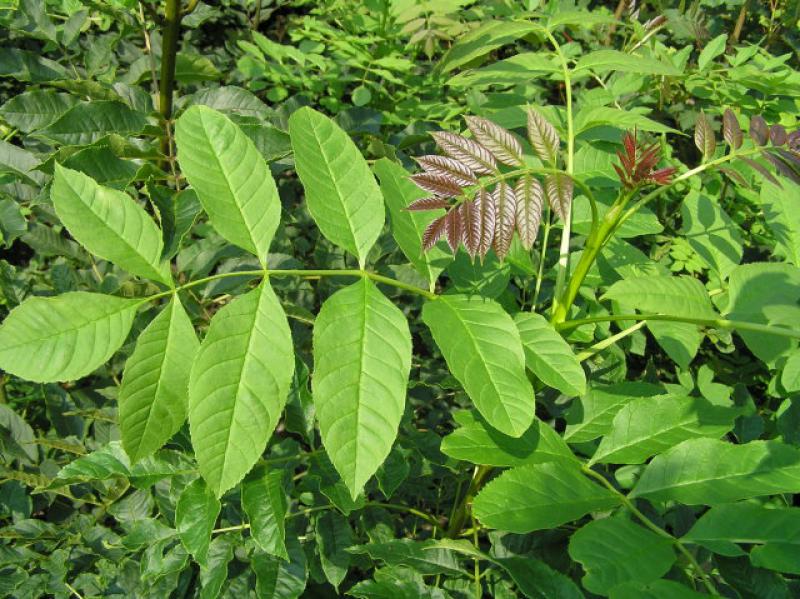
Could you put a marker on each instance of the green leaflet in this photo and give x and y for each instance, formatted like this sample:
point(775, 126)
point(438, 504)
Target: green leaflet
point(548, 356)
point(711, 50)
point(658, 589)
point(513, 70)
point(711, 233)
point(264, 502)
point(425, 557)
point(153, 397)
point(362, 358)
point(214, 570)
point(707, 471)
point(651, 425)
point(65, 337)
point(477, 442)
point(334, 537)
point(748, 302)
point(195, 514)
point(238, 386)
point(230, 177)
point(110, 224)
point(88, 122)
point(540, 496)
point(483, 350)
point(341, 192)
point(279, 579)
point(615, 551)
point(602, 61)
point(36, 109)
point(782, 217)
point(105, 463)
point(723, 527)
point(482, 40)
point(407, 226)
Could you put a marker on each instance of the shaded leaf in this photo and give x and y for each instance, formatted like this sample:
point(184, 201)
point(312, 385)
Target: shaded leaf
point(195, 515)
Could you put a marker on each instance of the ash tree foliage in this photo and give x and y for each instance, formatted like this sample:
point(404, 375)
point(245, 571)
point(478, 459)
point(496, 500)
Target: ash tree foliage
point(402, 299)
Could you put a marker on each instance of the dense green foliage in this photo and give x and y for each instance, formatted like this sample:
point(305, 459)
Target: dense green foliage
point(399, 299)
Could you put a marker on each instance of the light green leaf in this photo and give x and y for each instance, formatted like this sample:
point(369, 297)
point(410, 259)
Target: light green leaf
point(153, 397)
point(516, 69)
point(407, 226)
point(107, 462)
point(17, 438)
point(88, 122)
point(748, 523)
point(603, 61)
point(28, 66)
point(334, 537)
point(748, 302)
point(214, 570)
point(35, 109)
point(538, 497)
point(615, 550)
point(477, 442)
point(191, 68)
point(195, 514)
point(341, 192)
point(481, 41)
point(548, 356)
point(711, 50)
point(230, 177)
point(782, 217)
point(264, 502)
point(425, 557)
point(711, 233)
point(647, 426)
point(680, 296)
point(66, 337)
point(708, 471)
point(362, 358)
point(591, 417)
point(596, 116)
point(238, 386)
point(782, 557)
point(483, 350)
point(110, 224)
point(790, 376)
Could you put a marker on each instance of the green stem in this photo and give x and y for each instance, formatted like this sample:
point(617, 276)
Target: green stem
point(462, 511)
point(563, 259)
point(654, 527)
point(313, 273)
point(540, 273)
point(717, 323)
point(608, 342)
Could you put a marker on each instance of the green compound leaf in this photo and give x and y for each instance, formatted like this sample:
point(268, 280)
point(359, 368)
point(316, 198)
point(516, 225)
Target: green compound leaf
point(482, 348)
point(362, 356)
point(89, 122)
point(238, 386)
point(110, 224)
point(341, 193)
point(707, 471)
point(195, 514)
point(153, 397)
point(230, 177)
point(540, 496)
point(548, 356)
point(648, 426)
point(66, 337)
point(264, 502)
point(615, 551)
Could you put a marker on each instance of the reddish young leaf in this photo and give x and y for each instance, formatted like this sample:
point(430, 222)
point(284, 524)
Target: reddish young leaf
point(758, 130)
point(452, 228)
point(530, 196)
point(734, 176)
point(505, 211)
point(448, 167)
point(704, 136)
point(468, 152)
point(427, 204)
point(559, 193)
point(470, 227)
point(543, 137)
point(440, 185)
point(731, 130)
point(486, 211)
point(433, 233)
point(497, 140)
point(777, 135)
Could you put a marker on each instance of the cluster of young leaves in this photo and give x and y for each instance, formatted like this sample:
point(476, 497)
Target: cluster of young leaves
point(449, 440)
